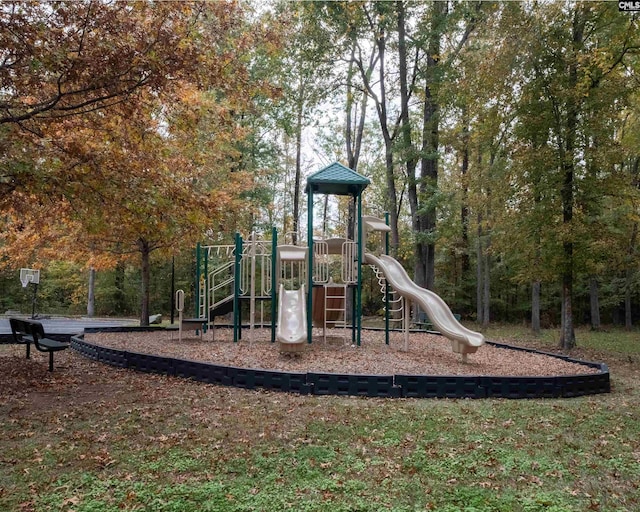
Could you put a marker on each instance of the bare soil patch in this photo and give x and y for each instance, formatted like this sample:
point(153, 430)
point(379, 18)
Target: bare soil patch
point(427, 354)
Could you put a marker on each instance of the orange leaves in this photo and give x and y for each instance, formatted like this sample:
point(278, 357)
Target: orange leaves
point(140, 139)
point(42, 232)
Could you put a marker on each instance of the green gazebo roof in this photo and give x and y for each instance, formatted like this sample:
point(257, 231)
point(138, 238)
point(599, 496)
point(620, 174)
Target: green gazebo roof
point(337, 179)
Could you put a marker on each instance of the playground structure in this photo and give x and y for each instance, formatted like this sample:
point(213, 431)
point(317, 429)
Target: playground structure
point(316, 284)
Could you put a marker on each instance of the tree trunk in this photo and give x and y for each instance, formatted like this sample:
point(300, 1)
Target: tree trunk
point(628, 322)
point(119, 296)
point(567, 334)
point(535, 307)
point(145, 271)
point(595, 303)
point(486, 291)
point(91, 294)
point(325, 215)
point(354, 133)
point(425, 248)
point(392, 198)
point(567, 337)
point(383, 118)
point(296, 190)
point(628, 276)
point(355, 122)
point(407, 151)
point(537, 285)
point(479, 275)
point(464, 210)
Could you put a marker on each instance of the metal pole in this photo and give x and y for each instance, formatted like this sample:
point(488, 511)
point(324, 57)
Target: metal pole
point(173, 287)
point(354, 313)
point(359, 284)
point(33, 302)
point(237, 317)
point(252, 288)
point(310, 265)
point(205, 255)
point(197, 291)
point(353, 316)
point(274, 281)
point(386, 285)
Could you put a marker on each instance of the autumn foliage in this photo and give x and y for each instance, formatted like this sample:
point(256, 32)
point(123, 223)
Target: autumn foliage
point(119, 127)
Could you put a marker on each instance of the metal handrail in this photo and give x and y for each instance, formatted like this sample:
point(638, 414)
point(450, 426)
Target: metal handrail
point(221, 301)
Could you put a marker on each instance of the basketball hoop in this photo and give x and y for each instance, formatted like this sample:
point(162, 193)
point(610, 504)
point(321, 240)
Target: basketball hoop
point(29, 275)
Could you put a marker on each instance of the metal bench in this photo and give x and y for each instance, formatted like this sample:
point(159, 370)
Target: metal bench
point(30, 331)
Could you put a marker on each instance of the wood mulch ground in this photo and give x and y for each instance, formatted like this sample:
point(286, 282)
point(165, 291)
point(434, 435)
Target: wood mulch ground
point(427, 354)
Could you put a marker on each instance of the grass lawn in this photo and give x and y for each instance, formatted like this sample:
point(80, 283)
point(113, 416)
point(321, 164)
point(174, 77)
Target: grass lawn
point(95, 438)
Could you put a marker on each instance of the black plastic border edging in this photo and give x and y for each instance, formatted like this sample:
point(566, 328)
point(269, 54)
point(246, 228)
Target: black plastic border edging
point(387, 386)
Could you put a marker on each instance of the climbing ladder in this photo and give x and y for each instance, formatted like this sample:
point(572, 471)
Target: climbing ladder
point(335, 301)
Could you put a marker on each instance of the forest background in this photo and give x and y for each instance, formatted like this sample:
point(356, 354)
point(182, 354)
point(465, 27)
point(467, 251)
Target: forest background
point(503, 138)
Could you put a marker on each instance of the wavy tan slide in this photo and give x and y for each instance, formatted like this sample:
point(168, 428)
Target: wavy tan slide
point(291, 331)
point(464, 341)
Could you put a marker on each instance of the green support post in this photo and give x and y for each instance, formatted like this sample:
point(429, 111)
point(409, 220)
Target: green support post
point(237, 316)
point(205, 255)
point(197, 290)
point(274, 281)
point(353, 317)
point(310, 266)
point(354, 314)
point(358, 318)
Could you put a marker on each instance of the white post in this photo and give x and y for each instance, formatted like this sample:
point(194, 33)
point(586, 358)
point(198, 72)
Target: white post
point(407, 318)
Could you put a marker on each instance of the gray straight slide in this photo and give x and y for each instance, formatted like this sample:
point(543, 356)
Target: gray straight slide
point(463, 341)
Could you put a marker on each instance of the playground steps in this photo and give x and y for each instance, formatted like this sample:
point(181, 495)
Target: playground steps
point(335, 306)
point(329, 298)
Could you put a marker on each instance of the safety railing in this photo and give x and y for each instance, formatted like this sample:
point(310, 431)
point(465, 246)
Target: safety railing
point(261, 271)
point(350, 262)
point(320, 261)
point(256, 262)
